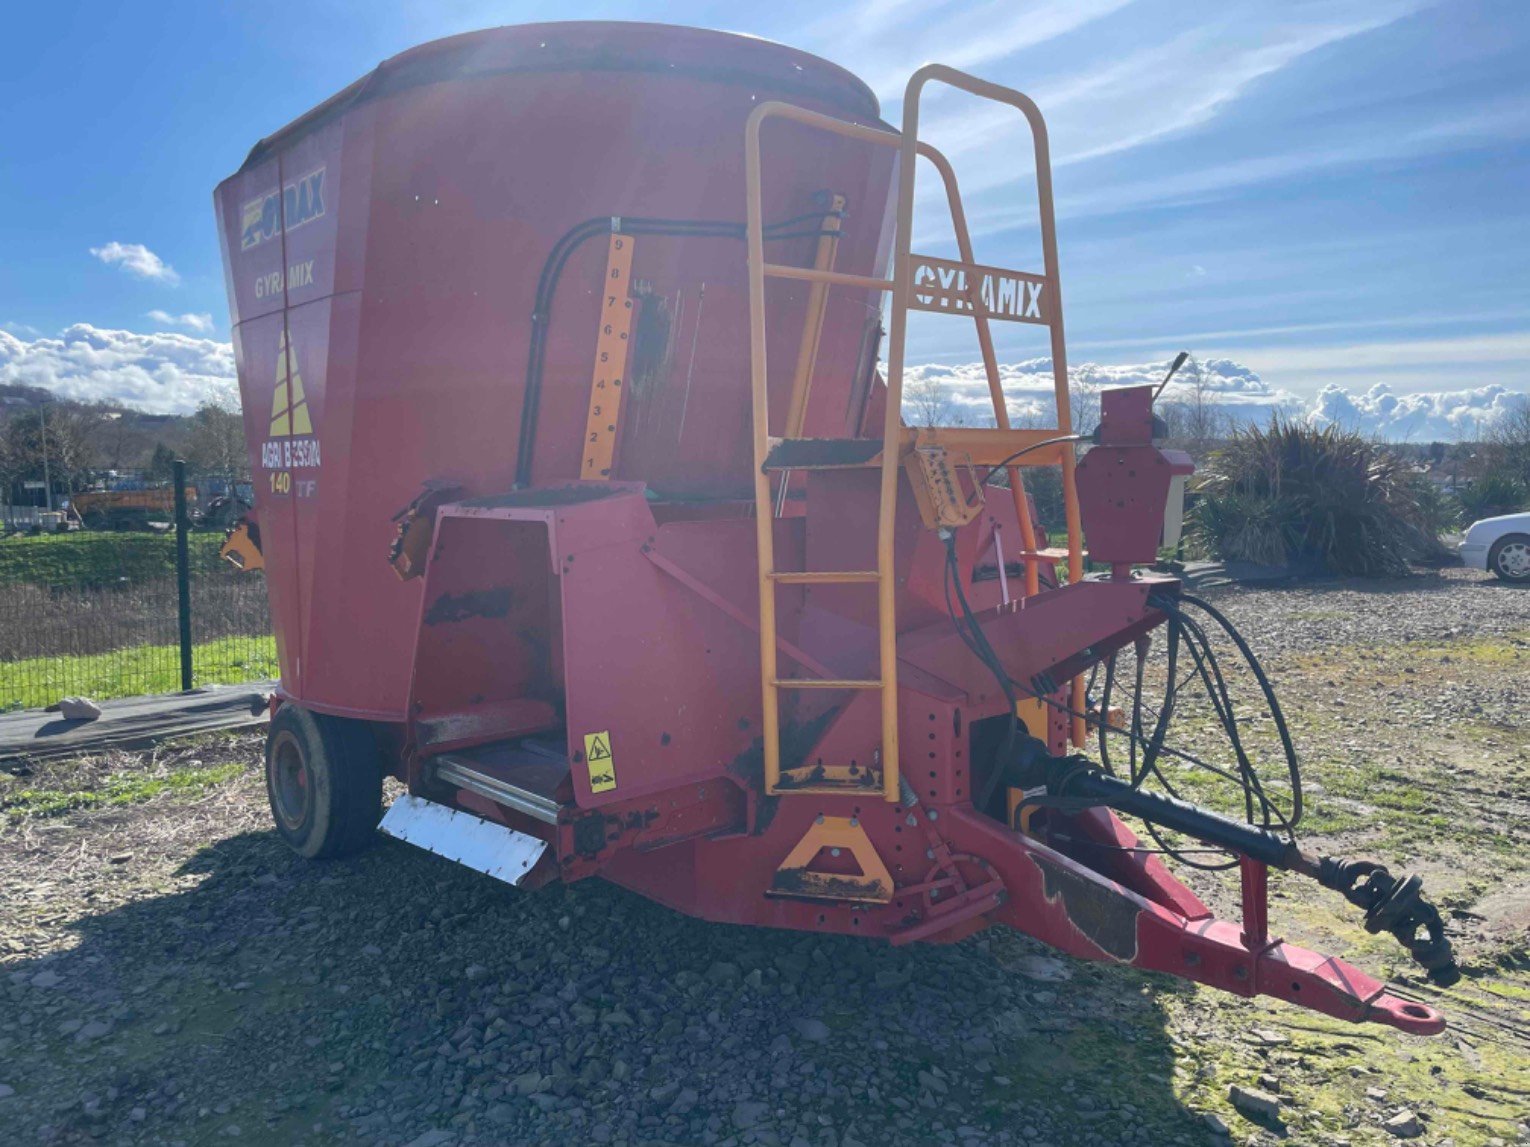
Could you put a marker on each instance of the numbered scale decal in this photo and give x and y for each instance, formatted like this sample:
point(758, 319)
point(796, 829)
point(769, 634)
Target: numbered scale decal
point(610, 361)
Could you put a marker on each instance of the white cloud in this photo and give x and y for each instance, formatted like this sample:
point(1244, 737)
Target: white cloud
point(1424, 417)
point(1153, 94)
point(136, 259)
point(162, 372)
point(1028, 386)
point(1185, 75)
point(202, 323)
point(1444, 415)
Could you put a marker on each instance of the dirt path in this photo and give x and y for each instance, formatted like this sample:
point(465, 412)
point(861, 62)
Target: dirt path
point(170, 974)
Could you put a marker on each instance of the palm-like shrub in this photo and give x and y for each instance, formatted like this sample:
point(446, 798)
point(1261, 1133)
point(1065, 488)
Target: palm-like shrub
point(1290, 492)
point(1494, 493)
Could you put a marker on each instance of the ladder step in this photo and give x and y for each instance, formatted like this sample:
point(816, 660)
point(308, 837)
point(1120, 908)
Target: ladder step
point(814, 275)
point(823, 683)
point(1053, 554)
point(824, 577)
point(822, 453)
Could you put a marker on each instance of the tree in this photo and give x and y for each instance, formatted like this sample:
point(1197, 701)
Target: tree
point(1032, 413)
point(1507, 442)
point(216, 446)
point(112, 440)
point(162, 464)
point(1083, 402)
point(927, 401)
point(9, 470)
point(1194, 416)
point(51, 439)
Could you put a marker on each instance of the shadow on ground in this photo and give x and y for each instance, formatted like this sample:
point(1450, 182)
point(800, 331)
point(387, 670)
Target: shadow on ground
point(397, 998)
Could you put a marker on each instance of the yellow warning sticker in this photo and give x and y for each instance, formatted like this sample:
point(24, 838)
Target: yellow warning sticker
point(597, 758)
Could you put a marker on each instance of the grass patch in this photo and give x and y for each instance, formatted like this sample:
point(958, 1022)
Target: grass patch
point(85, 559)
point(144, 669)
point(186, 766)
point(118, 789)
point(1393, 664)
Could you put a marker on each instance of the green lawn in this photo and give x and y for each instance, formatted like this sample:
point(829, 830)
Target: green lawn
point(86, 558)
point(143, 669)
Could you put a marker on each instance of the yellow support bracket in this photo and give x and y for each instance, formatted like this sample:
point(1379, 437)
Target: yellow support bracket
point(838, 834)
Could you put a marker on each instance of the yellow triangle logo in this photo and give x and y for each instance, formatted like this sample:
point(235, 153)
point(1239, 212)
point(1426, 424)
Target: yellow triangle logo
point(289, 405)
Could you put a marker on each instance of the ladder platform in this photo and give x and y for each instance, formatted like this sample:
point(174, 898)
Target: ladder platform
point(830, 780)
point(821, 453)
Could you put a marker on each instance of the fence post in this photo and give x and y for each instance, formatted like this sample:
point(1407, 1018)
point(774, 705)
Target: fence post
point(182, 571)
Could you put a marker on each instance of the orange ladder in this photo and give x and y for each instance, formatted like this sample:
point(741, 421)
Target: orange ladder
point(921, 283)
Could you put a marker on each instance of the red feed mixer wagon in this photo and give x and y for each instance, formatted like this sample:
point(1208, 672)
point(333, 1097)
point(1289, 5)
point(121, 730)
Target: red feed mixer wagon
point(587, 512)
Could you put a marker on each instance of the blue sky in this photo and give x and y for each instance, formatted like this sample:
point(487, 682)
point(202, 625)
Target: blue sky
point(1331, 194)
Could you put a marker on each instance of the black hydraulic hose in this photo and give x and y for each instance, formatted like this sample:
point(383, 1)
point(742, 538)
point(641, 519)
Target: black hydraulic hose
point(1276, 713)
point(552, 271)
point(977, 641)
point(1180, 627)
point(1151, 751)
point(992, 470)
point(547, 284)
point(1206, 666)
point(1210, 672)
point(1105, 695)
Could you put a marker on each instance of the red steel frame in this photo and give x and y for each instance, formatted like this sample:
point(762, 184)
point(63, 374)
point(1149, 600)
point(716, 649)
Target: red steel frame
point(631, 609)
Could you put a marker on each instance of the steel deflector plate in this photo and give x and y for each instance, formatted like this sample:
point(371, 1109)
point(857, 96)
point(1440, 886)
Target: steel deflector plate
point(482, 845)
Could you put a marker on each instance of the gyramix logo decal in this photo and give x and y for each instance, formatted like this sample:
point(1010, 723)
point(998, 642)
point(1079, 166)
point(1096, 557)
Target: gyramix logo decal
point(299, 202)
point(291, 444)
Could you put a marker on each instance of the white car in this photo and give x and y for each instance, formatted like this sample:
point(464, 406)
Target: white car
point(1501, 546)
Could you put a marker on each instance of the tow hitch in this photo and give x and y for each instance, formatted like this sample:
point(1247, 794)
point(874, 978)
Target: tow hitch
point(1392, 904)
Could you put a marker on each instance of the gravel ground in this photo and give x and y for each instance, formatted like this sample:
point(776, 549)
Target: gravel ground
point(169, 973)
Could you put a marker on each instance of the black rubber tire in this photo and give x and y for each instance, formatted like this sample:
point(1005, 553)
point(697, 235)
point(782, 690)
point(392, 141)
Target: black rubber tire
point(1497, 551)
point(324, 781)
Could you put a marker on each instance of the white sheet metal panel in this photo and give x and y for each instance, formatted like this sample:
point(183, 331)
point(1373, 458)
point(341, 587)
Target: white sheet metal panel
point(480, 844)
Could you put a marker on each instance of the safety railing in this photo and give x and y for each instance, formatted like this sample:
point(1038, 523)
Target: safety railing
point(918, 282)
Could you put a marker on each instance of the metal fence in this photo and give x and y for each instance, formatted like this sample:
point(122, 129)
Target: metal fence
point(20, 517)
point(104, 614)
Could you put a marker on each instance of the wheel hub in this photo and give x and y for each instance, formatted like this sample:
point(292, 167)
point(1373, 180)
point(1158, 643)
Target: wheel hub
point(291, 783)
point(1514, 559)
